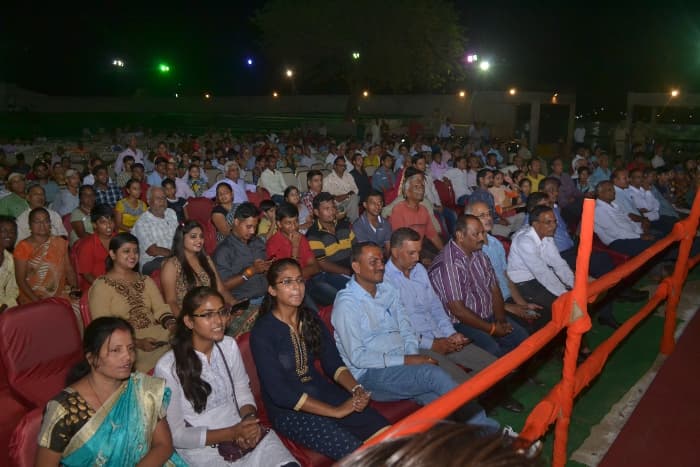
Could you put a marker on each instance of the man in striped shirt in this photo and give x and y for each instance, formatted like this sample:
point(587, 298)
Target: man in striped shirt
point(466, 284)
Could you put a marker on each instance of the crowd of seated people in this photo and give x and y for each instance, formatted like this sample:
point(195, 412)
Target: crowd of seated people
point(452, 297)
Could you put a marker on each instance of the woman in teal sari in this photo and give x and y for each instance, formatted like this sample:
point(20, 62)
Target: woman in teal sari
point(108, 415)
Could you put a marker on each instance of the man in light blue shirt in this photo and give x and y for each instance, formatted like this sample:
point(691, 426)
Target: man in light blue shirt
point(378, 344)
point(437, 337)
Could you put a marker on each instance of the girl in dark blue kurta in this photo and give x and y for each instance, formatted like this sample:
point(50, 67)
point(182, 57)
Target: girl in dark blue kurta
point(303, 405)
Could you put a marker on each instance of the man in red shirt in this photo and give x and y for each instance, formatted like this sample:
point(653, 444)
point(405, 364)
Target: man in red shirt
point(288, 242)
point(410, 213)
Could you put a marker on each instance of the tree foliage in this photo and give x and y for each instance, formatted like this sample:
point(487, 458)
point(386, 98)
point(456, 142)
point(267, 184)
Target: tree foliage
point(404, 46)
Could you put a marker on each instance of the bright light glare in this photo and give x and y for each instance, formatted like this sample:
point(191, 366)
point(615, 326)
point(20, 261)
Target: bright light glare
point(675, 92)
point(274, 94)
point(177, 95)
point(485, 65)
point(118, 63)
point(164, 68)
point(365, 93)
point(512, 91)
point(356, 55)
point(472, 58)
point(249, 61)
point(462, 94)
point(207, 96)
point(289, 73)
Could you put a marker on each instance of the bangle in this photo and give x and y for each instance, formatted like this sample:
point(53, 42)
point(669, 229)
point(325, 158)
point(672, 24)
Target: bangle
point(245, 278)
point(166, 320)
point(356, 387)
point(493, 329)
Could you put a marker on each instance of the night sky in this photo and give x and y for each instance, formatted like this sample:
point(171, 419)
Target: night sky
point(599, 53)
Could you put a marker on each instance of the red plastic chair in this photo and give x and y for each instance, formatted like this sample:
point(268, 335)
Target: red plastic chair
point(446, 194)
point(22, 446)
point(306, 457)
point(199, 209)
point(617, 257)
point(39, 343)
point(67, 224)
point(257, 197)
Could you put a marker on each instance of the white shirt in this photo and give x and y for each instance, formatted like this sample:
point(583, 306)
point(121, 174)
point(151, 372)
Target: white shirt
point(339, 186)
point(471, 179)
point(644, 199)
point(430, 191)
point(612, 223)
point(459, 182)
point(273, 182)
point(533, 258)
point(151, 230)
point(330, 158)
point(658, 161)
point(136, 154)
point(239, 188)
point(623, 199)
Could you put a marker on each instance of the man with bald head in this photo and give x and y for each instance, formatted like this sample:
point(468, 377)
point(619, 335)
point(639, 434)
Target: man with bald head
point(466, 284)
point(155, 230)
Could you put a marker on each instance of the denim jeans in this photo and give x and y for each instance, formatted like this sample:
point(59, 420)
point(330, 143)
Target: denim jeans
point(422, 383)
point(498, 346)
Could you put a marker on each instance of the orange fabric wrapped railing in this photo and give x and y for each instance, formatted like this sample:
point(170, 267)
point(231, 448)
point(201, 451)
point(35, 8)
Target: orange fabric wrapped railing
point(570, 311)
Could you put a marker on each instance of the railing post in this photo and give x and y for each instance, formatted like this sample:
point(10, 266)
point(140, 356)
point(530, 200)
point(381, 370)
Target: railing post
point(680, 273)
point(578, 324)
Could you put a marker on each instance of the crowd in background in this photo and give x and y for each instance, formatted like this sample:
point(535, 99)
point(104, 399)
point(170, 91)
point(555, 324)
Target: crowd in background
point(434, 252)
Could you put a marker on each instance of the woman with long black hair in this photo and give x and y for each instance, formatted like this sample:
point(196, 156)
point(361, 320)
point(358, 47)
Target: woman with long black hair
point(212, 413)
point(302, 404)
point(189, 267)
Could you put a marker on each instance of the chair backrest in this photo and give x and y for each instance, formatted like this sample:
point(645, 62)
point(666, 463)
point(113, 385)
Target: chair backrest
point(39, 343)
point(446, 194)
point(66, 224)
point(199, 209)
point(74, 255)
point(23, 443)
point(257, 197)
point(84, 305)
point(290, 179)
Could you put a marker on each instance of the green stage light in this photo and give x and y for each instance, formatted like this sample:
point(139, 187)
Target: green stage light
point(164, 68)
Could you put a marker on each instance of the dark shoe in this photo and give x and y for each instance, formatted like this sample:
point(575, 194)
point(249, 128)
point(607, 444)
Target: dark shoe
point(609, 321)
point(633, 295)
point(512, 405)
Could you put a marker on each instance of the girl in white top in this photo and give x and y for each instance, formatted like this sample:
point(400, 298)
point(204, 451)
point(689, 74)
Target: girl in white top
point(204, 410)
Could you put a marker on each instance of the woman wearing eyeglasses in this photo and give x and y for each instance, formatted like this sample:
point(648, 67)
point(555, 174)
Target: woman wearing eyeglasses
point(302, 403)
point(212, 411)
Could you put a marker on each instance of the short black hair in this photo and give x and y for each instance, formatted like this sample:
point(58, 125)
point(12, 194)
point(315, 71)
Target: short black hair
point(537, 211)
point(550, 181)
point(322, 197)
point(483, 173)
point(245, 211)
point(267, 204)
point(374, 193)
point(166, 182)
point(286, 210)
point(83, 189)
point(100, 211)
point(358, 248)
point(535, 199)
point(98, 168)
point(403, 234)
point(311, 174)
point(462, 220)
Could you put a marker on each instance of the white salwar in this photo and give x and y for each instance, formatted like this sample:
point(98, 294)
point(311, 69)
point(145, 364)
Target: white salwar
point(220, 412)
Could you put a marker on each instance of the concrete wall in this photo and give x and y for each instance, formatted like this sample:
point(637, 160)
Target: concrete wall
point(497, 109)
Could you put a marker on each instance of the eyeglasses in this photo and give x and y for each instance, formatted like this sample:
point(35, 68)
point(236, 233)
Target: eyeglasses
point(223, 313)
point(289, 281)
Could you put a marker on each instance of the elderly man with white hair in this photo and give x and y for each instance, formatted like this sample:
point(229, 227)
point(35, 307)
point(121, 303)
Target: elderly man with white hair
point(155, 230)
point(67, 199)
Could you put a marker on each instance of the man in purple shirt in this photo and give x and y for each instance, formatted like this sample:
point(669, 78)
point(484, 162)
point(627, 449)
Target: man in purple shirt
point(466, 284)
